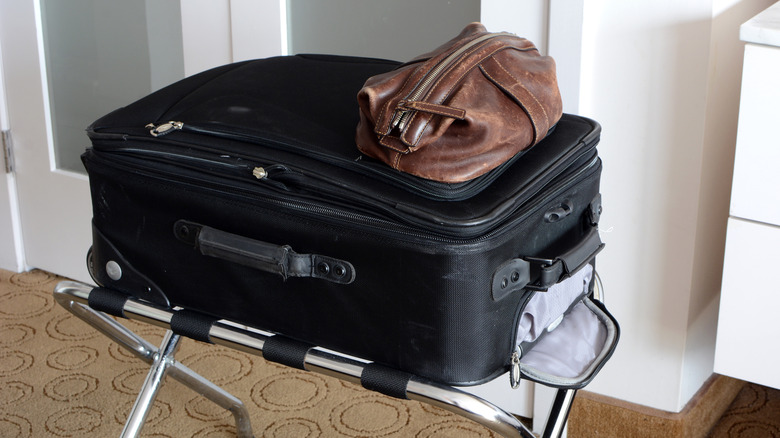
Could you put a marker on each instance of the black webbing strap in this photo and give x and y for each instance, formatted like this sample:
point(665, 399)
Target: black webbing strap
point(286, 351)
point(385, 380)
point(192, 324)
point(108, 301)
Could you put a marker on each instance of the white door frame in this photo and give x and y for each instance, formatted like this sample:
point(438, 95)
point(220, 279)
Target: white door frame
point(23, 96)
point(11, 248)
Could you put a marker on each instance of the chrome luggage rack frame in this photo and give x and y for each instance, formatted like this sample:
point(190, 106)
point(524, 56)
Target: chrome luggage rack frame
point(74, 297)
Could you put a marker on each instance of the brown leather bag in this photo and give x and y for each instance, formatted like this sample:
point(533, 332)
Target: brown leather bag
point(462, 110)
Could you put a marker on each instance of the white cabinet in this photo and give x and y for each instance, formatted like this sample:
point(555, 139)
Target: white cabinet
point(755, 192)
point(748, 343)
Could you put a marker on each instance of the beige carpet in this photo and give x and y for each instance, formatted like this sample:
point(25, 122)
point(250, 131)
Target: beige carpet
point(755, 413)
point(61, 378)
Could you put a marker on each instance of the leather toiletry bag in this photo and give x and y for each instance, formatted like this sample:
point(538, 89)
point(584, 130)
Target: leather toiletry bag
point(462, 110)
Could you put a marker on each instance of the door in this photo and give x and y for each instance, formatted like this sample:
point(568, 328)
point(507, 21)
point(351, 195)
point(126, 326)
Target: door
point(67, 63)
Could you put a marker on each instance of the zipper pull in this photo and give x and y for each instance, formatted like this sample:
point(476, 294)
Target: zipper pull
point(399, 120)
point(514, 371)
point(164, 128)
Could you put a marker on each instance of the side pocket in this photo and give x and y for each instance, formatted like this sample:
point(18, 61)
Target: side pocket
point(573, 353)
point(564, 337)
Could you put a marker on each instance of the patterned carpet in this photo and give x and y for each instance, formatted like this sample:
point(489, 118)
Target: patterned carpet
point(755, 413)
point(61, 378)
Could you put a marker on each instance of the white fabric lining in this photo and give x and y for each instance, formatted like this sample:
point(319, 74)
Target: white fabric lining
point(568, 352)
point(539, 375)
point(544, 308)
point(572, 348)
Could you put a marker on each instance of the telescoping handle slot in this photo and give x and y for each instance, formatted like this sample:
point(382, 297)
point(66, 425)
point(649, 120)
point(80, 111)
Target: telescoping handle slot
point(264, 256)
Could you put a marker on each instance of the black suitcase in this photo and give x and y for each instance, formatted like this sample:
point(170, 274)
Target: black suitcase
point(239, 193)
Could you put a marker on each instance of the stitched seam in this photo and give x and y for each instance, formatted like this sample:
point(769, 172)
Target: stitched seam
point(400, 90)
point(519, 101)
point(501, 47)
point(456, 82)
point(544, 112)
point(465, 55)
point(382, 142)
point(441, 110)
point(397, 161)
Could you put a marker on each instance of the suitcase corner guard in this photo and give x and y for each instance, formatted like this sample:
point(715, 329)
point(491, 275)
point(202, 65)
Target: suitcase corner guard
point(267, 257)
point(109, 268)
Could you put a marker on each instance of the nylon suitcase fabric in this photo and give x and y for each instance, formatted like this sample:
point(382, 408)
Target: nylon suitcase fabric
point(239, 193)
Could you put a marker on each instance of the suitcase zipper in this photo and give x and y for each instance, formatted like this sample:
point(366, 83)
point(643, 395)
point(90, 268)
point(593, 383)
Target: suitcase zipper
point(421, 186)
point(381, 225)
point(161, 129)
point(533, 188)
point(412, 183)
point(226, 165)
point(418, 185)
point(401, 116)
point(514, 372)
point(164, 128)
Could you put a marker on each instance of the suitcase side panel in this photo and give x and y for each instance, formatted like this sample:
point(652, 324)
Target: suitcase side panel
point(416, 304)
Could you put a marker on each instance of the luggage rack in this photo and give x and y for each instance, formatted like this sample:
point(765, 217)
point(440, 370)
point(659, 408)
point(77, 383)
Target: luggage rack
point(75, 297)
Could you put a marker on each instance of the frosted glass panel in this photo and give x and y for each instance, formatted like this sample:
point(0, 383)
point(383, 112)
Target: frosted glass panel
point(397, 29)
point(101, 55)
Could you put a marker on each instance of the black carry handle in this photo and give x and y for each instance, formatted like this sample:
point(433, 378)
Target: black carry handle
point(263, 256)
point(516, 274)
point(556, 269)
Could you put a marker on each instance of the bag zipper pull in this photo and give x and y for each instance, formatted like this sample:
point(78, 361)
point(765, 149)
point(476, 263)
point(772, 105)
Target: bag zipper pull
point(399, 119)
point(514, 372)
point(164, 128)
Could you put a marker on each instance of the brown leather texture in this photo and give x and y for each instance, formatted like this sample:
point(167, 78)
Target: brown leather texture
point(461, 110)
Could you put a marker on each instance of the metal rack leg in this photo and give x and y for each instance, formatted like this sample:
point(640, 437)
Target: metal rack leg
point(222, 398)
point(162, 361)
point(150, 354)
point(74, 296)
point(559, 413)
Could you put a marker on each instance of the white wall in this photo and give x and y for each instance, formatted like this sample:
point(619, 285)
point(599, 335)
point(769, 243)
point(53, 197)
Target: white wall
point(662, 77)
point(399, 29)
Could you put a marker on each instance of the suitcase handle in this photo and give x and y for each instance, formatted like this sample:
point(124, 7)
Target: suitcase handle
point(516, 274)
point(553, 270)
point(263, 256)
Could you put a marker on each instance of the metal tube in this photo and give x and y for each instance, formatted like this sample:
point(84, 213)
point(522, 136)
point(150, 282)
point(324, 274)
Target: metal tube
point(74, 299)
point(468, 406)
point(143, 403)
point(559, 413)
point(222, 398)
point(110, 328)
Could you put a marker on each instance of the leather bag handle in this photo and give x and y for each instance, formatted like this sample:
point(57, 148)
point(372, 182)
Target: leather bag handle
point(263, 256)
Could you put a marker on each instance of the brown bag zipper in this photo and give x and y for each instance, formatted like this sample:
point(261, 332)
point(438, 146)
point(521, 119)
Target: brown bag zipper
point(401, 116)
